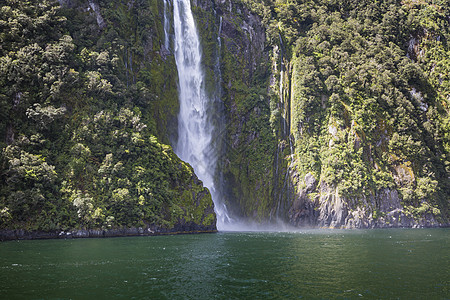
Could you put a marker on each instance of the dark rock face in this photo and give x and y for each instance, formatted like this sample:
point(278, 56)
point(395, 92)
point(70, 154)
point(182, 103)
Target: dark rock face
point(233, 39)
point(246, 40)
point(324, 207)
point(302, 212)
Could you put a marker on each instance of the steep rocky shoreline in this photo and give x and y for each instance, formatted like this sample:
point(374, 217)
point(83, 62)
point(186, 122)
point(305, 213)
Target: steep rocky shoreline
point(319, 205)
point(19, 234)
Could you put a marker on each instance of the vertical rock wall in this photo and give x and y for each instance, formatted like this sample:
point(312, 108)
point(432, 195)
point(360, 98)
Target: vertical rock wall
point(265, 177)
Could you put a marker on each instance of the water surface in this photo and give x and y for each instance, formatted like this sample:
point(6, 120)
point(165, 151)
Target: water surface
point(337, 264)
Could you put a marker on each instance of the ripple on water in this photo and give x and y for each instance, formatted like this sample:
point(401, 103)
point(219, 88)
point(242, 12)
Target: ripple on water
point(409, 264)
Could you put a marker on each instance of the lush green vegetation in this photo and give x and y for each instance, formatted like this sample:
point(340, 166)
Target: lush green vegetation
point(369, 103)
point(84, 103)
point(356, 93)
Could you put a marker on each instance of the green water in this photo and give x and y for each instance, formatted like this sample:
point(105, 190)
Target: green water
point(334, 264)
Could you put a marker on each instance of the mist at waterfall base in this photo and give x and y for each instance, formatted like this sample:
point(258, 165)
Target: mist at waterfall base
point(196, 133)
point(311, 264)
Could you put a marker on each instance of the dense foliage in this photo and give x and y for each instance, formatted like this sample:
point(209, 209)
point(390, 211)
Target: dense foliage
point(83, 99)
point(368, 93)
point(354, 94)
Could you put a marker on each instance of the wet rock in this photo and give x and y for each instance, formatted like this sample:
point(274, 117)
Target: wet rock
point(310, 182)
point(323, 206)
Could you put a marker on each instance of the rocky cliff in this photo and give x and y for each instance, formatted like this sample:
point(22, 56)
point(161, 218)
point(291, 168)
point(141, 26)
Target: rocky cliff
point(328, 114)
point(248, 142)
point(337, 115)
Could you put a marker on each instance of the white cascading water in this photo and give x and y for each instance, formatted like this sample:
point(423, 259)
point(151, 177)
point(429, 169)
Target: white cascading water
point(166, 26)
point(195, 130)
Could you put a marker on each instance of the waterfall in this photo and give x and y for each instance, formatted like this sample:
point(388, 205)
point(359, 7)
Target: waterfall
point(219, 41)
point(166, 25)
point(195, 129)
point(281, 85)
